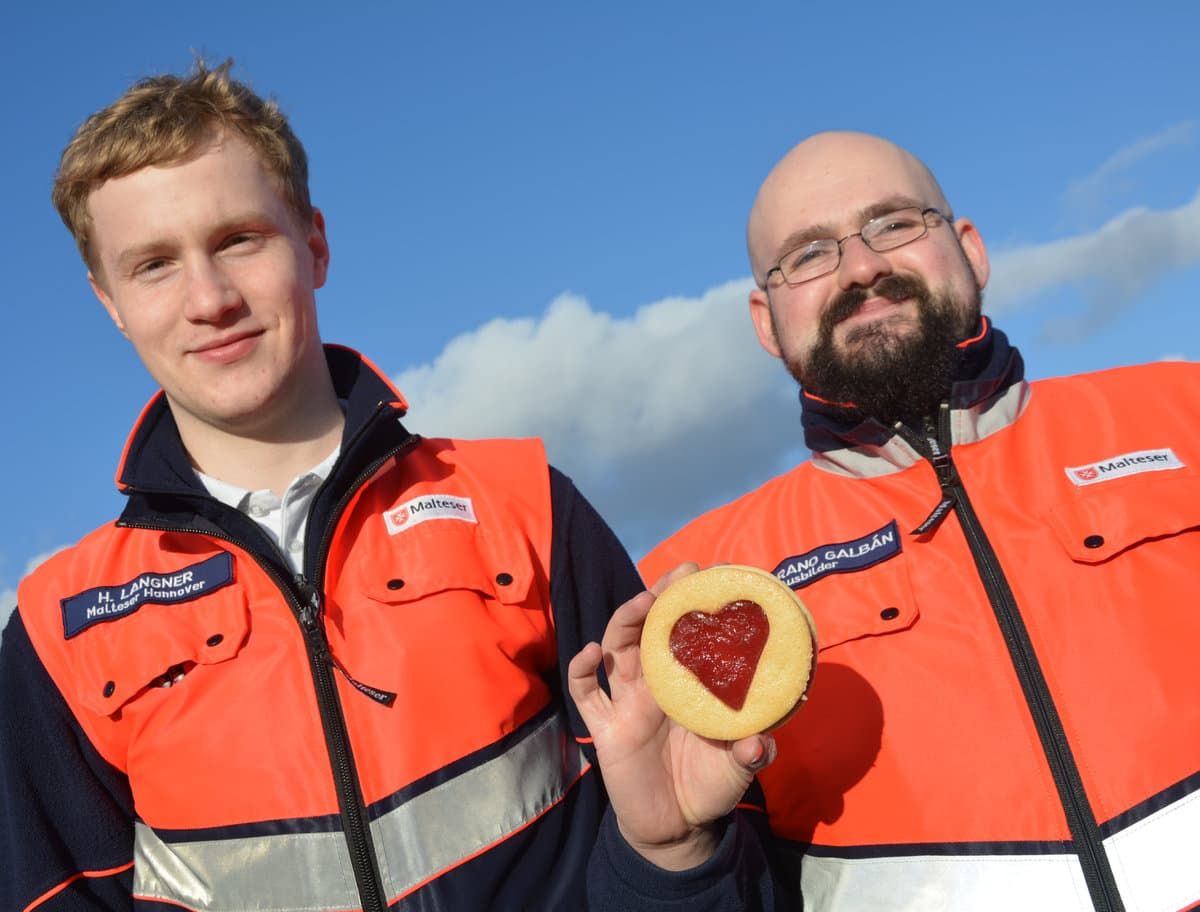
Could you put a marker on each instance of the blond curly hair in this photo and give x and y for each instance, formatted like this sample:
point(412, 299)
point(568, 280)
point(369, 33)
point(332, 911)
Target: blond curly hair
point(162, 120)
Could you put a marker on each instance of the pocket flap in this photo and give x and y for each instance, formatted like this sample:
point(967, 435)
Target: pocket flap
point(125, 638)
point(438, 556)
point(1100, 521)
point(878, 602)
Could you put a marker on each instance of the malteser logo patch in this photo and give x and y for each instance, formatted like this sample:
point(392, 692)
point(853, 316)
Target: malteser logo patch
point(404, 516)
point(842, 557)
point(1120, 466)
point(107, 603)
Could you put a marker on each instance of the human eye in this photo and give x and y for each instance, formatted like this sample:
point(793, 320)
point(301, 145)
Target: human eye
point(811, 260)
point(805, 256)
point(150, 268)
point(894, 229)
point(241, 241)
point(897, 223)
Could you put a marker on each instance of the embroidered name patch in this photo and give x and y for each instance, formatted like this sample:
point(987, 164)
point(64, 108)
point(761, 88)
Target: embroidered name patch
point(1127, 464)
point(859, 554)
point(429, 506)
point(107, 603)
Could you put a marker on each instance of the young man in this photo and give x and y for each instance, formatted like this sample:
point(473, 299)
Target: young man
point(1004, 711)
point(320, 662)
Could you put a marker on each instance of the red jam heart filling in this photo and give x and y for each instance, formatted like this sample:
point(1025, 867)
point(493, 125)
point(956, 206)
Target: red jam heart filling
point(722, 649)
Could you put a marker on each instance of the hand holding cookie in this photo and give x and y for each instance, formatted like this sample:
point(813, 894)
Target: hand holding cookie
point(728, 652)
point(668, 785)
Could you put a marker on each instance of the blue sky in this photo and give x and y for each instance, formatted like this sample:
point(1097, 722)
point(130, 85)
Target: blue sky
point(536, 212)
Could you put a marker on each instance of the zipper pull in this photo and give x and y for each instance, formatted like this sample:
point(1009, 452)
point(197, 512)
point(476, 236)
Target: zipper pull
point(934, 519)
point(937, 440)
point(382, 697)
point(312, 607)
point(312, 612)
point(941, 462)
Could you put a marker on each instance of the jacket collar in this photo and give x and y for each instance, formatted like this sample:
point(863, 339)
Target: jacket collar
point(989, 393)
point(154, 459)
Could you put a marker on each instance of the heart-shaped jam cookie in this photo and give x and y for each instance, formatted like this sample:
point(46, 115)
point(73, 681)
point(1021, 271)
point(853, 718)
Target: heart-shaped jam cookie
point(728, 651)
point(722, 649)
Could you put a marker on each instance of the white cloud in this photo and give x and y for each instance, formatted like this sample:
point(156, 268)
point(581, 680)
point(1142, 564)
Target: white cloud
point(1088, 192)
point(656, 416)
point(8, 597)
point(675, 409)
point(1111, 266)
point(8, 601)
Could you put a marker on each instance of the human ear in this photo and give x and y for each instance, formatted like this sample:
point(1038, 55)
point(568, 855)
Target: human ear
point(973, 248)
point(318, 245)
point(764, 326)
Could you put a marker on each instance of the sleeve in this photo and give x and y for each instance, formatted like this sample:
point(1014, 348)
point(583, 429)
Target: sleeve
point(66, 814)
point(735, 879)
point(591, 574)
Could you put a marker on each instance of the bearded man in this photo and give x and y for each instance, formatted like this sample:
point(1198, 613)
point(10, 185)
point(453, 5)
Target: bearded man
point(1002, 573)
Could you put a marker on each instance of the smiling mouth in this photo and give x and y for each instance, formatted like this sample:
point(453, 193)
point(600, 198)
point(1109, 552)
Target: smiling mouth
point(876, 307)
point(229, 349)
point(883, 300)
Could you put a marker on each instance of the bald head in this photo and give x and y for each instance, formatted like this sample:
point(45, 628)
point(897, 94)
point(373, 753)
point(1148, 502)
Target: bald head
point(828, 181)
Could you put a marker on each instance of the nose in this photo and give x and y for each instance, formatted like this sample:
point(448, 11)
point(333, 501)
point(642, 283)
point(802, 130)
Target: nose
point(860, 265)
point(211, 295)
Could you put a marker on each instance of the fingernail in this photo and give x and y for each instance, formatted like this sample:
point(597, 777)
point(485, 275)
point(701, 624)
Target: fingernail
point(759, 760)
point(764, 755)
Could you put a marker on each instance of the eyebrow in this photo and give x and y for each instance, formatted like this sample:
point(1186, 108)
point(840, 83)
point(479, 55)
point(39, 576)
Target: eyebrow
point(249, 219)
point(131, 255)
point(821, 231)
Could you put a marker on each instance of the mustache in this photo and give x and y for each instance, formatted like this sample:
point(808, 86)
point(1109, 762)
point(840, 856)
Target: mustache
point(893, 287)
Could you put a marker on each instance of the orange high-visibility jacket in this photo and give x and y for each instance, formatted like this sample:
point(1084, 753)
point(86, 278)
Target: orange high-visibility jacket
point(1005, 712)
point(186, 724)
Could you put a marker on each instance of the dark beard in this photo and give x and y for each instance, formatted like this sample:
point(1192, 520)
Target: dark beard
point(884, 375)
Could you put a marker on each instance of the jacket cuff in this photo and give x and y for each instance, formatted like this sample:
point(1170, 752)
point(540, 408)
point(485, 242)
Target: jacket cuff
point(620, 878)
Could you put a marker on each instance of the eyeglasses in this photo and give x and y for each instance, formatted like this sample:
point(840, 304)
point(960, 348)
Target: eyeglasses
point(885, 232)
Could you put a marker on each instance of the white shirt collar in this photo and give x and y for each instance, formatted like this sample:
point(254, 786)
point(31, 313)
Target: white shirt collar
point(283, 519)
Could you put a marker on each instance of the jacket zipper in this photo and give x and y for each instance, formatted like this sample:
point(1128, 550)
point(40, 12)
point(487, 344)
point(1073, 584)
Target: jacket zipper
point(307, 607)
point(1081, 820)
point(341, 760)
point(354, 816)
point(337, 740)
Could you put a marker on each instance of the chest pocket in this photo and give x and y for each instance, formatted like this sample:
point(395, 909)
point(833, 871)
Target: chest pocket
point(850, 605)
point(1101, 521)
point(116, 660)
point(451, 616)
point(443, 556)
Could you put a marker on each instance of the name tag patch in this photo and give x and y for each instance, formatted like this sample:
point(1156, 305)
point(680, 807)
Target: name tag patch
point(429, 506)
point(1120, 466)
point(844, 557)
point(107, 603)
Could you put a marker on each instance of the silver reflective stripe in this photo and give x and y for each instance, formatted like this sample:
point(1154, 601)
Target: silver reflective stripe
point(1156, 861)
point(294, 872)
point(416, 841)
point(454, 821)
point(956, 883)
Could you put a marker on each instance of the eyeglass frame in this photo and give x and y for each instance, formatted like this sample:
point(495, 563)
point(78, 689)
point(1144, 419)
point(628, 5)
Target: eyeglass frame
point(947, 218)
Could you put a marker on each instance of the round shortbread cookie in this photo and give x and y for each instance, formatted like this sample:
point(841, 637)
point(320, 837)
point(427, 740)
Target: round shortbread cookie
point(728, 652)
